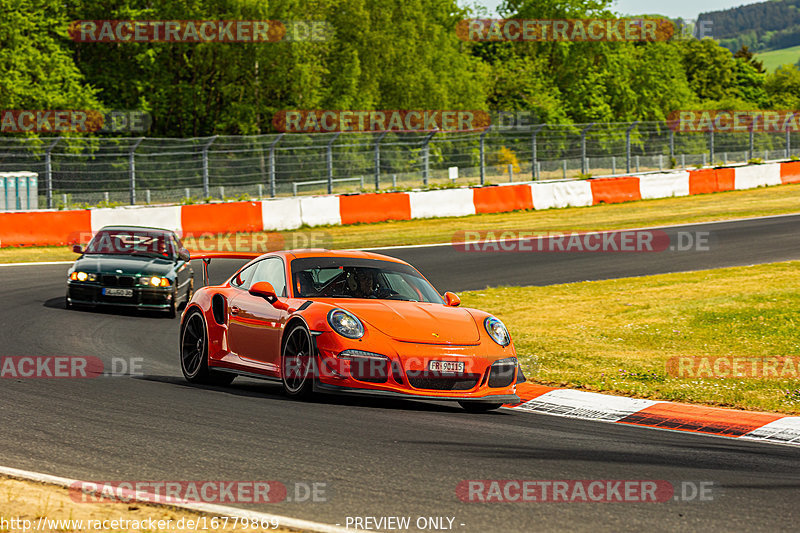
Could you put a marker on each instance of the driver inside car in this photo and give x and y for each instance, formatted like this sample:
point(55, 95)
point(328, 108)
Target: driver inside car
point(363, 283)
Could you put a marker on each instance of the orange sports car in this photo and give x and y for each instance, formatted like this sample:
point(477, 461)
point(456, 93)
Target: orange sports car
point(346, 322)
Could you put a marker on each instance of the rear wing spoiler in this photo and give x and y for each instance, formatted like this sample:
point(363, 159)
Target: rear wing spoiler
point(206, 257)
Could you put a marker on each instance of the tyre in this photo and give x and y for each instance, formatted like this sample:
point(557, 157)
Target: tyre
point(297, 363)
point(194, 353)
point(479, 407)
point(190, 291)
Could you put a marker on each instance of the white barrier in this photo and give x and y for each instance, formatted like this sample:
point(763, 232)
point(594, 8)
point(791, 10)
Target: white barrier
point(664, 185)
point(445, 203)
point(559, 194)
point(281, 214)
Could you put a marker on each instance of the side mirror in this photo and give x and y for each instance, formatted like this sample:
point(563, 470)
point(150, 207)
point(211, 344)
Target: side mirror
point(183, 254)
point(264, 289)
point(77, 248)
point(451, 299)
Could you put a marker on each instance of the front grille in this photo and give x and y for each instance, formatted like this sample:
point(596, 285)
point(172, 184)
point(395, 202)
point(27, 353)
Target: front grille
point(117, 281)
point(501, 375)
point(368, 369)
point(433, 381)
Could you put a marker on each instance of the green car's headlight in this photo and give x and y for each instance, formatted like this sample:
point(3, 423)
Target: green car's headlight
point(346, 324)
point(155, 281)
point(497, 331)
point(82, 276)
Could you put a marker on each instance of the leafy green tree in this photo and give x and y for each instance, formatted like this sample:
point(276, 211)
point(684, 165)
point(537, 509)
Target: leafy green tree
point(709, 69)
point(783, 88)
point(38, 71)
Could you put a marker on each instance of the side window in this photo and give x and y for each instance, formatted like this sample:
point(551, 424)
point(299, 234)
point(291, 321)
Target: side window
point(244, 278)
point(271, 270)
point(175, 244)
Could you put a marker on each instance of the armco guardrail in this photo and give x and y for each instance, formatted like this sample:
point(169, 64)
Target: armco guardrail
point(63, 227)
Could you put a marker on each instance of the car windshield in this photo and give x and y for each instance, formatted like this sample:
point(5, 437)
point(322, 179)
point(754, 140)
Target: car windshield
point(327, 277)
point(131, 242)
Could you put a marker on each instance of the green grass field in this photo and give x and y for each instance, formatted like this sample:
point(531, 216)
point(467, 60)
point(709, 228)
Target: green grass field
point(616, 336)
point(775, 58)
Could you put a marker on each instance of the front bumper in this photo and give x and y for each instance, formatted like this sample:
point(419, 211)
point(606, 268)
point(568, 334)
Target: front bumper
point(491, 398)
point(143, 297)
point(489, 372)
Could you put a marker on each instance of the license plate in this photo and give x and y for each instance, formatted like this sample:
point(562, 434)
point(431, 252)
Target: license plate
point(446, 366)
point(126, 293)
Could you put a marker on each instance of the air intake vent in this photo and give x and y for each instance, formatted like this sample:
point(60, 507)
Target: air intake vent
point(218, 309)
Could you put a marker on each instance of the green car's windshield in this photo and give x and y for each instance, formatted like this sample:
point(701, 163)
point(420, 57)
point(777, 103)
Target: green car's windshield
point(131, 242)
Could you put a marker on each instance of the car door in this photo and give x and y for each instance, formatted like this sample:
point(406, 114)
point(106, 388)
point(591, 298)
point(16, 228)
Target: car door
point(255, 326)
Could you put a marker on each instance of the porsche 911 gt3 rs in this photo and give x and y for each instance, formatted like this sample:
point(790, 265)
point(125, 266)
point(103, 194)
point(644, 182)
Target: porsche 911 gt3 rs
point(349, 322)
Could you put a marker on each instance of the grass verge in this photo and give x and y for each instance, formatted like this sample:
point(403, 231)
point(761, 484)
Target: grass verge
point(27, 500)
point(616, 336)
point(667, 211)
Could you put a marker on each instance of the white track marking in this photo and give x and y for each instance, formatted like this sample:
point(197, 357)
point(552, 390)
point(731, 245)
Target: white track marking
point(217, 510)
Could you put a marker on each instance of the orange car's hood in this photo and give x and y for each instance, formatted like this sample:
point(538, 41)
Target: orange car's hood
point(417, 322)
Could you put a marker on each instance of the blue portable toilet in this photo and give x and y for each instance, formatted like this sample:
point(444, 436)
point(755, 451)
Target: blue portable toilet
point(11, 192)
point(33, 191)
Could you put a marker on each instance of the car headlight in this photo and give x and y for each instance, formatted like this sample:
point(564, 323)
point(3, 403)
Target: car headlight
point(346, 324)
point(497, 331)
point(155, 281)
point(82, 276)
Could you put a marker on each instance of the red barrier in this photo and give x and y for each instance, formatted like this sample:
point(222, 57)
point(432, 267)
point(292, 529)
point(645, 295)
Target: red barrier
point(374, 207)
point(615, 190)
point(710, 180)
point(221, 218)
point(43, 228)
point(790, 172)
point(502, 199)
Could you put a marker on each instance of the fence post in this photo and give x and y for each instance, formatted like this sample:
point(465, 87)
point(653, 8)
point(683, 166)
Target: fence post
point(584, 168)
point(272, 165)
point(48, 172)
point(483, 154)
point(426, 157)
point(535, 150)
point(329, 155)
point(378, 160)
point(788, 143)
point(671, 145)
point(510, 173)
point(132, 169)
point(205, 165)
point(752, 143)
point(711, 145)
point(628, 146)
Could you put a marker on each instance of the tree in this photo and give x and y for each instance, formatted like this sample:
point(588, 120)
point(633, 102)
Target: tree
point(38, 70)
point(709, 69)
point(783, 88)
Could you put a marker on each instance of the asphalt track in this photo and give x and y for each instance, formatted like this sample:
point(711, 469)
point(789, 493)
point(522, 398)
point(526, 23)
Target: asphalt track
point(377, 457)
